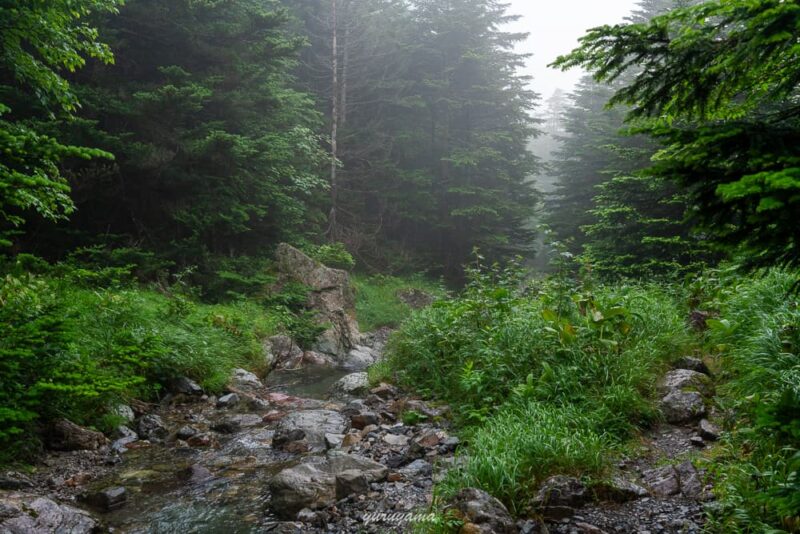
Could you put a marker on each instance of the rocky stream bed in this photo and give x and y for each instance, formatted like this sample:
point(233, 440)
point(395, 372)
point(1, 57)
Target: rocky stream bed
point(314, 448)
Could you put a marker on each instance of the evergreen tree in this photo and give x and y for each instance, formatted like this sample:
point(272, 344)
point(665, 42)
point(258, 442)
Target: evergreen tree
point(39, 41)
point(432, 138)
point(624, 221)
point(216, 152)
point(731, 132)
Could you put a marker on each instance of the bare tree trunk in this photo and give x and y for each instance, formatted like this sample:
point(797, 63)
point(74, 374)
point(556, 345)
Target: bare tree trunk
point(332, 224)
point(345, 61)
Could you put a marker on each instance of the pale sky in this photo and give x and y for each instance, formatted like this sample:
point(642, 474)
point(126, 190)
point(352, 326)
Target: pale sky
point(554, 27)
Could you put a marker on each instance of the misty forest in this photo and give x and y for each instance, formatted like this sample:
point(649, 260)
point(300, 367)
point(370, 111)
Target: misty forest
point(340, 266)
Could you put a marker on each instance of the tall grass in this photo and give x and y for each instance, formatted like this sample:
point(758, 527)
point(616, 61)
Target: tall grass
point(543, 380)
point(757, 336)
point(378, 303)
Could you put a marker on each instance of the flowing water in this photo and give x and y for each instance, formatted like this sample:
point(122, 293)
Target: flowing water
point(161, 497)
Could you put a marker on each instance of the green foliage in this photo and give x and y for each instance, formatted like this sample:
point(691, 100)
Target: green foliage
point(509, 358)
point(216, 153)
point(378, 303)
point(74, 349)
point(731, 133)
point(523, 445)
point(331, 254)
point(758, 469)
point(433, 130)
point(37, 42)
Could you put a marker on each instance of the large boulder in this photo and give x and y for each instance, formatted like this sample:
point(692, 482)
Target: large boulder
point(359, 358)
point(242, 380)
point(482, 513)
point(682, 406)
point(314, 424)
point(65, 435)
point(319, 482)
point(286, 354)
point(331, 296)
point(352, 385)
point(685, 380)
point(559, 495)
point(25, 514)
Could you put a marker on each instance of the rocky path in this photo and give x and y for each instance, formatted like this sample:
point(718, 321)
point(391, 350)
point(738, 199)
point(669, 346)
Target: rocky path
point(658, 489)
point(259, 458)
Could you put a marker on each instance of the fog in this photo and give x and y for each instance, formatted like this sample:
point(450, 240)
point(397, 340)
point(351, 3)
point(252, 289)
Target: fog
point(554, 29)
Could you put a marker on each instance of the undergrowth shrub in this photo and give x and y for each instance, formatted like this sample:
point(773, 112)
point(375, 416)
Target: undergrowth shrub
point(378, 303)
point(757, 335)
point(70, 348)
point(517, 361)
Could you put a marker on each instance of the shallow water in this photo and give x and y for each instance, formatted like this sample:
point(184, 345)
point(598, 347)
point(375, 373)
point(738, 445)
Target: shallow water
point(308, 383)
point(235, 501)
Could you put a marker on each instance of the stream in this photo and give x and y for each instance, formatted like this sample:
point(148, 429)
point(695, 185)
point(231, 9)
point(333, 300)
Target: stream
point(192, 489)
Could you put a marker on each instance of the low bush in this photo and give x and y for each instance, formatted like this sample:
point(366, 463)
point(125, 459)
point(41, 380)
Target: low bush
point(542, 378)
point(71, 350)
point(757, 335)
point(378, 301)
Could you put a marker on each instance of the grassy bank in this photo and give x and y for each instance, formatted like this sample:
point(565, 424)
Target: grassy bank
point(556, 378)
point(74, 346)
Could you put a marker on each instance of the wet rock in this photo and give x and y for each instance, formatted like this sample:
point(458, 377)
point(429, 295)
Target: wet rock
point(64, 435)
point(108, 499)
point(38, 515)
point(284, 436)
point(689, 479)
point(313, 484)
point(331, 296)
point(311, 357)
point(125, 436)
point(351, 482)
point(151, 427)
point(13, 480)
point(315, 424)
point(482, 513)
point(364, 420)
point(682, 406)
point(560, 495)
point(354, 407)
point(351, 385)
point(351, 439)
point(685, 380)
point(693, 364)
point(228, 401)
point(333, 441)
point(417, 468)
point(619, 489)
point(244, 380)
point(284, 527)
point(186, 432)
point(246, 420)
point(195, 474)
point(124, 411)
point(359, 358)
point(286, 354)
point(384, 391)
point(227, 426)
point(186, 386)
point(587, 528)
point(697, 441)
point(395, 440)
point(200, 440)
point(708, 430)
point(663, 481)
point(414, 298)
point(302, 486)
point(529, 526)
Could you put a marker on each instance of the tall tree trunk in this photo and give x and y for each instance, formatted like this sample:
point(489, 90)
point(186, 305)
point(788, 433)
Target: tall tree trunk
point(332, 224)
point(345, 62)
